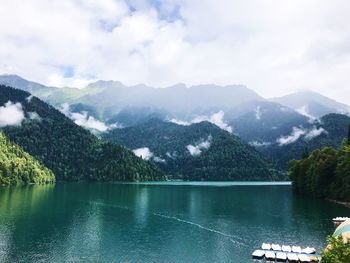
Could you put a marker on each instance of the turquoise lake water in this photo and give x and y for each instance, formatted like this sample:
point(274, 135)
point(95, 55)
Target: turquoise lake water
point(157, 222)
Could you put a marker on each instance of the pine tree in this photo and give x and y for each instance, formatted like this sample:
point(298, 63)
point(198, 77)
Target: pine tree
point(349, 135)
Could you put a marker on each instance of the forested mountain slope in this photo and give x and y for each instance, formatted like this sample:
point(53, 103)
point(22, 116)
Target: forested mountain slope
point(18, 167)
point(69, 150)
point(199, 151)
point(329, 131)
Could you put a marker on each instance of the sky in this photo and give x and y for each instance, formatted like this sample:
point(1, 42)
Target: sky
point(272, 46)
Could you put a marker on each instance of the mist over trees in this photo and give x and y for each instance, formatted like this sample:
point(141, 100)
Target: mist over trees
point(69, 150)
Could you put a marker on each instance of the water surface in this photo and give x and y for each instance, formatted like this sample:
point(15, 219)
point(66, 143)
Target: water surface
point(156, 222)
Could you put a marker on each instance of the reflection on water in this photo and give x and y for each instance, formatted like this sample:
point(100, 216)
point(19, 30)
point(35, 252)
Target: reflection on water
point(156, 223)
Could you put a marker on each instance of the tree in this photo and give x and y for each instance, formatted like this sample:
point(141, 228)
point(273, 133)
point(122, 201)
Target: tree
point(337, 251)
point(349, 135)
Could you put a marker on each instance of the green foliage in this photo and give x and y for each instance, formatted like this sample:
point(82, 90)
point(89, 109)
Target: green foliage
point(18, 167)
point(349, 135)
point(337, 252)
point(324, 173)
point(227, 158)
point(70, 151)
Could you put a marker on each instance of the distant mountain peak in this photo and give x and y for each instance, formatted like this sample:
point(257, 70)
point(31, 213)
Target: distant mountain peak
point(106, 84)
point(316, 104)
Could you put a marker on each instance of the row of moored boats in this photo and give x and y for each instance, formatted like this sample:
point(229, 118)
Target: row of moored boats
point(286, 248)
point(283, 253)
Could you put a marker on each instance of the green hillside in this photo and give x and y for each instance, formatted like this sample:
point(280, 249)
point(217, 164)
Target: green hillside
point(18, 167)
point(323, 173)
point(216, 154)
point(70, 151)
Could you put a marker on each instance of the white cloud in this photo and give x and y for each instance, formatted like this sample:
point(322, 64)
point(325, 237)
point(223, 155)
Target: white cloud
point(258, 113)
point(196, 150)
point(85, 120)
point(180, 122)
point(216, 118)
point(11, 114)
point(29, 98)
point(293, 137)
point(259, 143)
point(299, 132)
point(304, 110)
point(158, 159)
point(89, 122)
point(272, 46)
point(34, 116)
point(143, 153)
point(146, 154)
point(315, 132)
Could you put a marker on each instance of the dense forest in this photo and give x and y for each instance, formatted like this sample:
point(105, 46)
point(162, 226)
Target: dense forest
point(199, 151)
point(18, 167)
point(69, 150)
point(323, 173)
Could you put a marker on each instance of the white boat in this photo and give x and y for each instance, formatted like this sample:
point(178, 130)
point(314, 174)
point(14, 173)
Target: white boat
point(266, 246)
point(292, 257)
point(296, 249)
point(286, 248)
point(281, 256)
point(308, 250)
point(340, 219)
point(276, 247)
point(269, 255)
point(304, 258)
point(258, 254)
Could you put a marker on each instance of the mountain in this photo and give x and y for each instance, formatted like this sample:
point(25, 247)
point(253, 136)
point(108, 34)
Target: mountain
point(263, 122)
point(18, 167)
point(329, 131)
point(132, 116)
point(108, 98)
point(20, 83)
point(312, 104)
point(200, 151)
point(69, 150)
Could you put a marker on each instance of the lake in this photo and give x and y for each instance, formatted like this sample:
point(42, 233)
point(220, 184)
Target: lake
point(157, 222)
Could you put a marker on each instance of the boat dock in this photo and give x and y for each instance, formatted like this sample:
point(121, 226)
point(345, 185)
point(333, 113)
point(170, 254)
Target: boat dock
point(284, 253)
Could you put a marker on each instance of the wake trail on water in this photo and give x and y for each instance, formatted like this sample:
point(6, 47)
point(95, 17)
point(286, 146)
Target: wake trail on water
point(232, 238)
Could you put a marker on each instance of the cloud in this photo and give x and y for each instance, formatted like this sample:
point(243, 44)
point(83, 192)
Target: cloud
point(304, 110)
point(172, 155)
point(216, 118)
point(293, 137)
point(143, 153)
point(34, 116)
point(299, 132)
point(259, 144)
point(258, 113)
point(89, 122)
point(146, 154)
point(11, 114)
point(85, 120)
point(180, 122)
point(29, 98)
point(315, 132)
point(196, 150)
point(158, 159)
point(272, 46)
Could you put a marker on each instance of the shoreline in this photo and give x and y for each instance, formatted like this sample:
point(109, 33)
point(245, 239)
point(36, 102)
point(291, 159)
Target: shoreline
point(343, 203)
